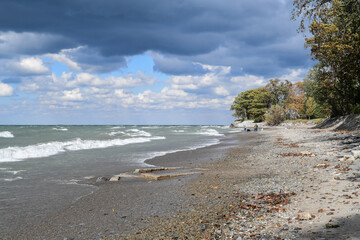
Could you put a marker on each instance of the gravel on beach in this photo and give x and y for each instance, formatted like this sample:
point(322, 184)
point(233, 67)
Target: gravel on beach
point(284, 183)
point(290, 183)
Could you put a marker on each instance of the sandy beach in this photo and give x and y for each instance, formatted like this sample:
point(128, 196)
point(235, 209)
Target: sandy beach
point(281, 183)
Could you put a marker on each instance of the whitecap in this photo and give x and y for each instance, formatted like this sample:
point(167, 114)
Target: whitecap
point(67, 182)
point(116, 133)
point(137, 133)
point(178, 131)
point(117, 127)
point(60, 129)
point(12, 179)
point(6, 134)
point(209, 132)
point(151, 127)
point(11, 154)
point(16, 172)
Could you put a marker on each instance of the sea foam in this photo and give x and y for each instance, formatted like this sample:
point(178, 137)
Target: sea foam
point(209, 132)
point(12, 154)
point(116, 133)
point(137, 133)
point(60, 129)
point(6, 134)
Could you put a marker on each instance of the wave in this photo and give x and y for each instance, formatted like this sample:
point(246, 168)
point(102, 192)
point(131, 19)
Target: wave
point(151, 127)
point(137, 133)
point(12, 179)
point(117, 127)
point(12, 154)
point(6, 134)
point(60, 129)
point(178, 131)
point(209, 132)
point(116, 133)
point(163, 153)
point(16, 172)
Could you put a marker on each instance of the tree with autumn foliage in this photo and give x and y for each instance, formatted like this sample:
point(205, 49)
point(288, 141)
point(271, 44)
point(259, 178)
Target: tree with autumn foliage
point(335, 43)
point(295, 102)
point(279, 91)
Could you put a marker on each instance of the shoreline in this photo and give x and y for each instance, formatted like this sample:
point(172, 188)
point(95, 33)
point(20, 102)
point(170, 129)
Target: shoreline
point(127, 189)
point(281, 183)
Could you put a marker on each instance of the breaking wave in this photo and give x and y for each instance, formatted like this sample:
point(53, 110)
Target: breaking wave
point(12, 154)
point(60, 129)
point(178, 131)
point(209, 132)
point(116, 133)
point(137, 133)
point(6, 134)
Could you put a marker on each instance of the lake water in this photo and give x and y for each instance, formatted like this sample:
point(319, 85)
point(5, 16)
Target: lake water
point(40, 166)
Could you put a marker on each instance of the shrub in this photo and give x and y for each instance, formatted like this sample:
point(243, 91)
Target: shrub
point(356, 109)
point(275, 115)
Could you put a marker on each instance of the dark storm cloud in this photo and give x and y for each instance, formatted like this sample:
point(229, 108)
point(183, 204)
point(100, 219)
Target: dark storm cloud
point(175, 66)
point(190, 30)
point(90, 60)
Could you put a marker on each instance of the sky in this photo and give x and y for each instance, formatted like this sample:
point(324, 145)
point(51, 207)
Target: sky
point(141, 61)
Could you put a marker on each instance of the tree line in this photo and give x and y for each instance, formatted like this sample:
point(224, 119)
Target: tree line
point(332, 86)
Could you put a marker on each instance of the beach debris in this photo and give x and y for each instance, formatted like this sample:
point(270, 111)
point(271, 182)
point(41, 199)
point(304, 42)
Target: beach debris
point(322, 165)
point(344, 169)
point(157, 177)
point(275, 198)
point(102, 179)
point(298, 155)
point(291, 145)
point(356, 153)
point(147, 170)
point(114, 179)
point(128, 175)
point(305, 216)
point(330, 225)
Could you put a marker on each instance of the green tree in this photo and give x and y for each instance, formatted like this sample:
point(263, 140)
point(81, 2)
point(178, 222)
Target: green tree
point(314, 87)
point(251, 104)
point(279, 91)
point(310, 106)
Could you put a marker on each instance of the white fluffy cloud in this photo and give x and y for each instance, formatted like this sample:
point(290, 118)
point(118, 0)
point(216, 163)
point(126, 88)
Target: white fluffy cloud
point(72, 95)
point(5, 90)
point(29, 66)
point(249, 81)
point(168, 99)
point(214, 88)
point(85, 80)
point(295, 75)
point(221, 91)
point(213, 76)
